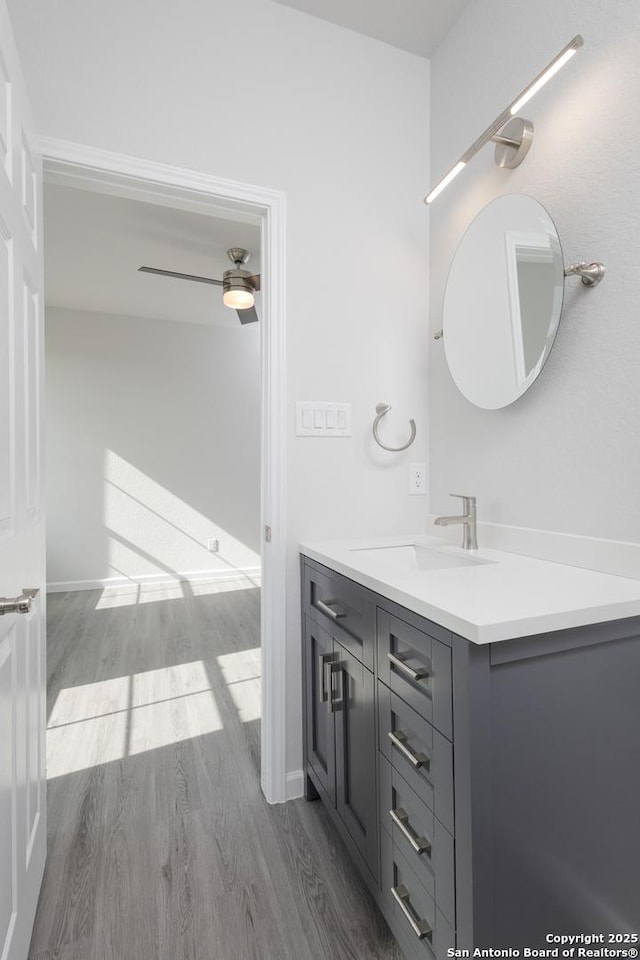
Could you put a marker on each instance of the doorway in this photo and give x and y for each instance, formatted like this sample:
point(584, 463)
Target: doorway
point(67, 165)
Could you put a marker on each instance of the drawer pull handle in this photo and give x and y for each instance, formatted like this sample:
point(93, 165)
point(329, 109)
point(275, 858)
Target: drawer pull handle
point(399, 740)
point(420, 844)
point(420, 927)
point(324, 607)
point(397, 661)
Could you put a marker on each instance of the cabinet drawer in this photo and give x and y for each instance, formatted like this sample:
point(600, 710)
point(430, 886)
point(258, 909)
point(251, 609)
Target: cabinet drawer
point(419, 835)
point(420, 926)
point(418, 668)
point(419, 752)
point(343, 608)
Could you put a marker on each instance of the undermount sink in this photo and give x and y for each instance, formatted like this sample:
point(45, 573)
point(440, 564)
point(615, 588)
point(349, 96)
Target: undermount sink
point(407, 557)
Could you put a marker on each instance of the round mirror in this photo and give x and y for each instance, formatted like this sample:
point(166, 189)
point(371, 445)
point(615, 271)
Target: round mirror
point(503, 301)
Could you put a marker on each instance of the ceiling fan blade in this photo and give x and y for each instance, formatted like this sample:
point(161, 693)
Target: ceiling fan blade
point(179, 276)
point(254, 281)
point(247, 316)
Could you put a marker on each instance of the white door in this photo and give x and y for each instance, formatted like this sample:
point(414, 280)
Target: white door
point(22, 636)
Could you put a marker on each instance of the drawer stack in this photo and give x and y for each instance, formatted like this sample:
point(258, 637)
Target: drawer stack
point(416, 806)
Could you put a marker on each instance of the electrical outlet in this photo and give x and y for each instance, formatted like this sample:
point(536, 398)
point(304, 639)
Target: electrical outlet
point(417, 479)
point(213, 545)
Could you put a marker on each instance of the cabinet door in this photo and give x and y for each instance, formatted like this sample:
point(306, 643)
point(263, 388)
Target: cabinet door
point(319, 718)
point(356, 799)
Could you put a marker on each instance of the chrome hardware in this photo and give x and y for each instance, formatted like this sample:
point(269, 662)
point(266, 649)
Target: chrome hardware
point(513, 135)
point(420, 674)
point(439, 335)
point(468, 521)
point(323, 660)
point(21, 604)
point(330, 669)
point(514, 143)
point(420, 927)
point(591, 273)
point(399, 740)
point(381, 410)
point(324, 607)
point(267, 534)
point(420, 844)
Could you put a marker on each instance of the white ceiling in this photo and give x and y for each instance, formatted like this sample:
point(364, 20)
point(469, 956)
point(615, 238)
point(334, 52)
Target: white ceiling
point(417, 26)
point(94, 244)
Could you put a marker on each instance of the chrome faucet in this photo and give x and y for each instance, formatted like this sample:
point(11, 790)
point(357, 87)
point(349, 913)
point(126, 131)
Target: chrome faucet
point(468, 521)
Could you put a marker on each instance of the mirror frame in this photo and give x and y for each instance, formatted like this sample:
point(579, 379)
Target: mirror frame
point(515, 237)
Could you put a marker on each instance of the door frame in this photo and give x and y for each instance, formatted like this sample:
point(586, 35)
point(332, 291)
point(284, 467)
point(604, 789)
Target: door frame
point(106, 172)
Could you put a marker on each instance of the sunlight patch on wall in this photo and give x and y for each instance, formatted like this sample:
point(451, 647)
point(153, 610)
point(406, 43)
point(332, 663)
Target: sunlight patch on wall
point(151, 531)
point(241, 672)
point(126, 561)
point(113, 719)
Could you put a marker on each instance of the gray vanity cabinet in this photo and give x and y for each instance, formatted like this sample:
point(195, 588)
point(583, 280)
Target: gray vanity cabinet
point(507, 775)
point(340, 718)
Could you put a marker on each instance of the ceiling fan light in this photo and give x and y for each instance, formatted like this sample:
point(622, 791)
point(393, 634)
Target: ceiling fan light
point(237, 289)
point(238, 298)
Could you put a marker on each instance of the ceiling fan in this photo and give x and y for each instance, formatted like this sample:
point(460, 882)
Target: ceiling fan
point(238, 285)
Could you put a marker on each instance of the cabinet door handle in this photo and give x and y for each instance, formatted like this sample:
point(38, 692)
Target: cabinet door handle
point(420, 927)
point(330, 669)
point(420, 844)
point(324, 607)
point(323, 660)
point(397, 661)
point(399, 740)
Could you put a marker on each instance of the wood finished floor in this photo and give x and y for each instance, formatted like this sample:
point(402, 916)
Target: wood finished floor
point(161, 846)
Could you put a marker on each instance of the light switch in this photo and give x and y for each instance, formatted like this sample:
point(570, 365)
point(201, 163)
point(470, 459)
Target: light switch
point(323, 418)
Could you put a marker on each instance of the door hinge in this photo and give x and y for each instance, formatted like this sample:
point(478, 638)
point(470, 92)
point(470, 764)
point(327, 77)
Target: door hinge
point(267, 534)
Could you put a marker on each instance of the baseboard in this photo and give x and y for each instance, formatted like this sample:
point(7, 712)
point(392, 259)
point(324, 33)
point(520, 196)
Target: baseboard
point(618, 557)
point(295, 784)
point(200, 576)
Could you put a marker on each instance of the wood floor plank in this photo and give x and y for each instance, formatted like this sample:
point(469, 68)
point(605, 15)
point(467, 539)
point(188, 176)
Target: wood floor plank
point(161, 846)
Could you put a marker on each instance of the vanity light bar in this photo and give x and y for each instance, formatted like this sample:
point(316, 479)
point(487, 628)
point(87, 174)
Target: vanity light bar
point(446, 180)
point(550, 71)
point(492, 131)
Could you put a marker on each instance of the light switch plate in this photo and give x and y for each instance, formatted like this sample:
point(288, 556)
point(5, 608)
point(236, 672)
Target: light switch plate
point(323, 418)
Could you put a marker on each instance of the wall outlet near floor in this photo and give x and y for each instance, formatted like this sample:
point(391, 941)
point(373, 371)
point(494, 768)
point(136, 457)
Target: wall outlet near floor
point(417, 479)
point(213, 545)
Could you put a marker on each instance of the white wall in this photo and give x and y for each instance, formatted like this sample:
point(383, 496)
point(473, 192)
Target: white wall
point(340, 123)
point(566, 457)
point(153, 440)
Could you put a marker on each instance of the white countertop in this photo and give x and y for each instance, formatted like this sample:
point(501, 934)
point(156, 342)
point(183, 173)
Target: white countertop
point(500, 596)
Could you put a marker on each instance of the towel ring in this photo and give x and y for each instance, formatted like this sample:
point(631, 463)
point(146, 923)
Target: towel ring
point(381, 409)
